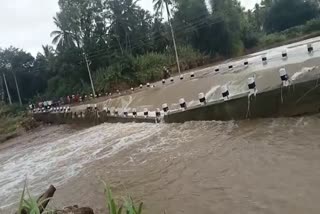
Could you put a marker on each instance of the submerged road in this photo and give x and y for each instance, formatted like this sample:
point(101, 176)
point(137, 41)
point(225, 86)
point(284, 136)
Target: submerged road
point(252, 166)
point(300, 66)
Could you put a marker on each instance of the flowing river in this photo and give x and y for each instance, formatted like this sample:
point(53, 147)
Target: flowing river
point(253, 166)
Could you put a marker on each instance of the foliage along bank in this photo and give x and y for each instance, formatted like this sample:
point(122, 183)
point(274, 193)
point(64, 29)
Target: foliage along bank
point(125, 45)
point(14, 121)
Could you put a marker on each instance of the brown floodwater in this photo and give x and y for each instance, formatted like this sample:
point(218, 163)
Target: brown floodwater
point(253, 166)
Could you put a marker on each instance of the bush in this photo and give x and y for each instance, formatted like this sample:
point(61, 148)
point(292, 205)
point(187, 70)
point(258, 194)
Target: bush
point(272, 39)
point(189, 58)
point(251, 39)
point(312, 25)
point(293, 32)
point(131, 71)
point(11, 119)
point(149, 67)
point(117, 76)
point(104, 78)
point(10, 111)
point(290, 33)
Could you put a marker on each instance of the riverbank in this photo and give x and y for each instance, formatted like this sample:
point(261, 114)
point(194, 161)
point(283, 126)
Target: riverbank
point(14, 121)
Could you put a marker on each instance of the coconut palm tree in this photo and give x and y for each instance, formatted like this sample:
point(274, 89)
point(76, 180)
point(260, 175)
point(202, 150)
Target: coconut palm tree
point(48, 52)
point(158, 6)
point(63, 37)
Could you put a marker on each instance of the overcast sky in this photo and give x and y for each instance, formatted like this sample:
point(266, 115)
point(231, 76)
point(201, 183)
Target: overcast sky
point(27, 24)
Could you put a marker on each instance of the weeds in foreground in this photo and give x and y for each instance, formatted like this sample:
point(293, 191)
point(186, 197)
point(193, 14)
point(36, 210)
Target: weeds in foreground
point(128, 207)
point(31, 205)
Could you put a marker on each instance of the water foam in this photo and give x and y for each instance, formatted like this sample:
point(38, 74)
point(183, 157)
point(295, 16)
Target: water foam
point(57, 161)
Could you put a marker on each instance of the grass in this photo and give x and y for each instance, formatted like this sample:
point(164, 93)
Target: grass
point(13, 120)
point(10, 122)
point(127, 207)
point(30, 205)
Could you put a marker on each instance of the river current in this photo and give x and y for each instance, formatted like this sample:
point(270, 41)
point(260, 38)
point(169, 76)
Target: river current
point(253, 166)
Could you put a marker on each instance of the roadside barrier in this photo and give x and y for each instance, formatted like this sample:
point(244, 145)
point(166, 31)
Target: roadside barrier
point(202, 99)
point(284, 77)
point(225, 92)
point(183, 104)
point(165, 107)
point(251, 82)
point(145, 112)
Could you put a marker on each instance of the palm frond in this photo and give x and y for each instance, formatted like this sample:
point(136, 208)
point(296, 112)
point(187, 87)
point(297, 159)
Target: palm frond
point(56, 39)
point(55, 33)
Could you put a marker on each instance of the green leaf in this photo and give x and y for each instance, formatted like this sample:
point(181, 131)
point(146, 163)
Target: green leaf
point(140, 208)
point(22, 199)
point(120, 210)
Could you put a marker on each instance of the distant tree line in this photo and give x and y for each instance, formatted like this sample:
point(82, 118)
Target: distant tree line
point(125, 45)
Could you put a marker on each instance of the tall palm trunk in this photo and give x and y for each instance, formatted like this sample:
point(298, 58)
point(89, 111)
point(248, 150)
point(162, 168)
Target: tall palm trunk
point(7, 89)
point(119, 43)
point(17, 87)
point(173, 38)
point(90, 76)
point(1, 90)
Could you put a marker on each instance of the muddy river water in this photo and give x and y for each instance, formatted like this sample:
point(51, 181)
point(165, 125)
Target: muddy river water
point(252, 166)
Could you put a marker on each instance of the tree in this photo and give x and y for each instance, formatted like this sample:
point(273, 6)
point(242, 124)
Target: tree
point(267, 3)
point(129, 27)
point(158, 7)
point(228, 18)
point(19, 74)
point(125, 45)
point(193, 18)
point(284, 14)
point(159, 36)
point(63, 37)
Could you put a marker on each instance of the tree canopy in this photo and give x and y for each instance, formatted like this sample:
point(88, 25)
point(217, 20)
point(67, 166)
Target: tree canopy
point(126, 45)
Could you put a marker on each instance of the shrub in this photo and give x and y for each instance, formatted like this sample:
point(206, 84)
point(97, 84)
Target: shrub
point(116, 76)
point(9, 111)
point(251, 39)
point(272, 39)
point(11, 119)
point(293, 32)
point(131, 71)
point(104, 78)
point(114, 208)
point(149, 67)
point(312, 25)
point(189, 58)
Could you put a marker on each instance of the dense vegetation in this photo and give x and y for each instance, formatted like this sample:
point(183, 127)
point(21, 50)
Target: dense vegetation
point(13, 121)
point(125, 45)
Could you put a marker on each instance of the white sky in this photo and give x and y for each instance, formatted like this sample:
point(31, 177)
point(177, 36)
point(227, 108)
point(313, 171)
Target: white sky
point(27, 24)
